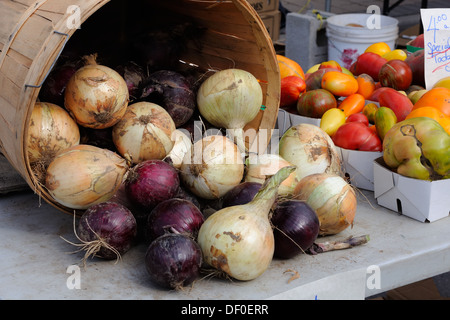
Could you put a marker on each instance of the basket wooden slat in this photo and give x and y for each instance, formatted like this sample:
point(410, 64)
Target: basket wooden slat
point(235, 37)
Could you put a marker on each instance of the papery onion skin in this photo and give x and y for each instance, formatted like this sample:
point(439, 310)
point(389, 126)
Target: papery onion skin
point(212, 167)
point(332, 198)
point(144, 132)
point(296, 227)
point(174, 216)
point(51, 130)
point(84, 175)
point(263, 166)
point(173, 92)
point(173, 261)
point(96, 96)
point(111, 223)
point(151, 182)
point(310, 149)
point(241, 194)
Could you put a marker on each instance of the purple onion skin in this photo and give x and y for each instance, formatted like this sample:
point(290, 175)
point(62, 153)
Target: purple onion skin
point(172, 90)
point(113, 223)
point(174, 216)
point(133, 74)
point(299, 222)
point(173, 261)
point(241, 194)
point(54, 86)
point(151, 182)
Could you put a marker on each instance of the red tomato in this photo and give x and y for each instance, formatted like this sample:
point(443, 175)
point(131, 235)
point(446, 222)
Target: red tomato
point(377, 92)
point(396, 74)
point(369, 63)
point(357, 136)
point(358, 117)
point(399, 103)
point(291, 88)
point(416, 62)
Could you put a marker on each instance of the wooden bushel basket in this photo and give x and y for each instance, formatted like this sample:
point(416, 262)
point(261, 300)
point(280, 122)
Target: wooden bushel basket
point(34, 33)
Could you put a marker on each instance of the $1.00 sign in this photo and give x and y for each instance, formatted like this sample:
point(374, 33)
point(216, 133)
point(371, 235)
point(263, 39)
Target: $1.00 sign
point(436, 26)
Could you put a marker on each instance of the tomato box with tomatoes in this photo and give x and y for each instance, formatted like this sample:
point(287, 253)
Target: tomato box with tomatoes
point(422, 200)
point(358, 167)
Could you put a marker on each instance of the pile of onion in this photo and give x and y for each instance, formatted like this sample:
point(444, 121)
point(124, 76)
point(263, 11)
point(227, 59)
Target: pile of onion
point(212, 167)
point(310, 149)
point(181, 145)
point(263, 166)
point(84, 175)
point(239, 240)
point(96, 96)
point(144, 132)
point(331, 197)
point(230, 99)
point(51, 130)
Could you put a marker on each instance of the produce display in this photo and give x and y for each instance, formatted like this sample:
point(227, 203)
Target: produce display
point(125, 158)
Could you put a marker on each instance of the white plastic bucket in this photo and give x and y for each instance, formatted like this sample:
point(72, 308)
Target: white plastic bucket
point(346, 42)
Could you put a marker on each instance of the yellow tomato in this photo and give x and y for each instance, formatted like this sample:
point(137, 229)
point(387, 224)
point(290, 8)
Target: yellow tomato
point(379, 48)
point(313, 68)
point(443, 83)
point(432, 113)
point(331, 120)
point(397, 54)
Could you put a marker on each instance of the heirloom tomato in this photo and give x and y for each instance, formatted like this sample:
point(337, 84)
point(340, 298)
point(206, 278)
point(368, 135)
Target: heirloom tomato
point(314, 103)
point(357, 136)
point(395, 74)
point(369, 63)
point(339, 83)
point(291, 88)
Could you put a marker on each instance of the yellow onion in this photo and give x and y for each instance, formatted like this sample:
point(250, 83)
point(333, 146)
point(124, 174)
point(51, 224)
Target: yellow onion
point(96, 96)
point(310, 149)
point(239, 240)
point(230, 99)
point(84, 175)
point(144, 133)
point(51, 130)
point(263, 166)
point(181, 145)
point(332, 198)
point(212, 167)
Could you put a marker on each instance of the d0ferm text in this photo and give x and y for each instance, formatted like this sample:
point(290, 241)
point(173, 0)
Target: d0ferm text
point(228, 309)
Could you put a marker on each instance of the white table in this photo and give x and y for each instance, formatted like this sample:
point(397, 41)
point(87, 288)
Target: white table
point(34, 260)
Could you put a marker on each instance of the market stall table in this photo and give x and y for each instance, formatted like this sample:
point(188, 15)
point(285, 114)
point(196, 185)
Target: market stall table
point(37, 263)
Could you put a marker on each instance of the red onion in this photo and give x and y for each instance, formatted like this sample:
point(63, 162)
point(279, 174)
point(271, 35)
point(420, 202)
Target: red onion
point(172, 91)
point(174, 216)
point(241, 194)
point(54, 86)
point(173, 261)
point(106, 230)
point(133, 74)
point(296, 228)
point(151, 182)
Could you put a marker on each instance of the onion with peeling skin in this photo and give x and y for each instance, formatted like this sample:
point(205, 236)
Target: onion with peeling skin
point(212, 167)
point(84, 175)
point(331, 197)
point(310, 149)
point(144, 133)
point(263, 166)
point(182, 143)
point(96, 96)
point(51, 130)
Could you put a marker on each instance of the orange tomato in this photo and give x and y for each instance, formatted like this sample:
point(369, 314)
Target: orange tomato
point(432, 113)
point(289, 67)
point(354, 103)
point(339, 83)
point(366, 85)
point(438, 98)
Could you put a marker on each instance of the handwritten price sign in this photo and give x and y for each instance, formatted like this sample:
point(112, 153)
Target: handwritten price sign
point(436, 26)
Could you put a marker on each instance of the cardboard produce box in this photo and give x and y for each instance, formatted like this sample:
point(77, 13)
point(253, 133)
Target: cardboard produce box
point(264, 5)
point(358, 167)
point(272, 22)
point(286, 120)
point(422, 200)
